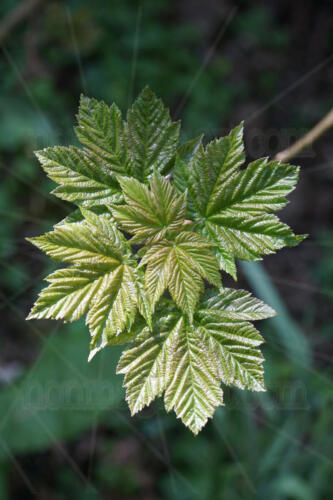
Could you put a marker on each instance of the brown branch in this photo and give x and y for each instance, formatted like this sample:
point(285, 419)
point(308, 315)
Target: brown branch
point(16, 16)
point(307, 139)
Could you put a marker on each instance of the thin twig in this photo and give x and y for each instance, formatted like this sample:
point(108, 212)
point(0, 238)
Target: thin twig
point(16, 16)
point(307, 139)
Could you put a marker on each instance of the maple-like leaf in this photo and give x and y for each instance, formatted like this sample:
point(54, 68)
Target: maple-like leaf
point(103, 132)
point(102, 280)
point(153, 137)
point(80, 177)
point(155, 223)
point(232, 206)
point(150, 213)
point(189, 360)
point(180, 265)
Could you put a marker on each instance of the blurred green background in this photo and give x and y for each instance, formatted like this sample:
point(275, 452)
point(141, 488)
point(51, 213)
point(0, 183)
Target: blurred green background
point(65, 430)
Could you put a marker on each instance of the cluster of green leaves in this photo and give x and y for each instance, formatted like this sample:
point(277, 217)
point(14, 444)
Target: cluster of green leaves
point(156, 223)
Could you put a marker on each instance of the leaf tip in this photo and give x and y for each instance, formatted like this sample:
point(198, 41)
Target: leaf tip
point(31, 315)
point(93, 353)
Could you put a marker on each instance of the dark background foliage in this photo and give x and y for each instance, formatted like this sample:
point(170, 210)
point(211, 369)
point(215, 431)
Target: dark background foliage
point(65, 431)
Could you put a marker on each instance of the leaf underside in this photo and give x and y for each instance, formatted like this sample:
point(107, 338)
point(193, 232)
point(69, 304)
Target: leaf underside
point(155, 224)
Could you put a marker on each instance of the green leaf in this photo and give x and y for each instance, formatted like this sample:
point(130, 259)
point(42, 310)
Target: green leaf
point(193, 387)
point(181, 177)
point(180, 266)
point(172, 360)
point(81, 177)
point(153, 137)
point(102, 281)
point(188, 361)
point(143, 366)
point(184, 153)
point(211, 168)
point(69, 295)
point(144, 305)
point(182, 229)
point(234, 344)
point(150, 213)
point(233, 206)
point(102, 131)
point(188, 148)
point(145, 362)
point(261, 188)
point(77, 217)
point(114, 308)
point(248, 237)
point(224, 257)
point(232, 339)
point(236, 304)
point(83, 244)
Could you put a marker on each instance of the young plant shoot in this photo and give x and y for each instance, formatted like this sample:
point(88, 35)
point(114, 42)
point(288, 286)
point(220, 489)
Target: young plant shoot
point(142, 254)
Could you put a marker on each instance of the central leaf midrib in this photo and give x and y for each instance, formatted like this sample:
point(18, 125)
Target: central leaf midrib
point(101, 328)
point(230, 354)
point(79, 161)
point(241, 198)
point(182, 272)
point(251, 230)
